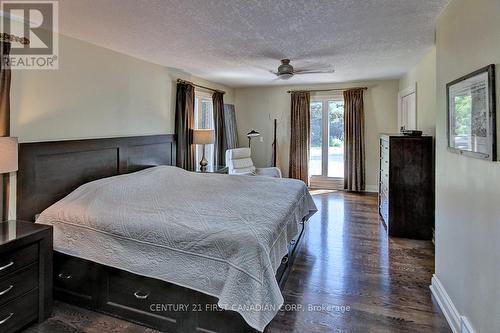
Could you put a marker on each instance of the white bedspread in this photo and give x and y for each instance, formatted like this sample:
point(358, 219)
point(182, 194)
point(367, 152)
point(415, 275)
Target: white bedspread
point(221, 235)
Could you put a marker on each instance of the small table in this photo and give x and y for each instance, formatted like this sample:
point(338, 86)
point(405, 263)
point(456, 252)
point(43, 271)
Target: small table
point(215, 169)
point(25, 274)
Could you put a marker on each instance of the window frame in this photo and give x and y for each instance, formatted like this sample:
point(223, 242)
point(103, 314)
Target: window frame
point(199, 96)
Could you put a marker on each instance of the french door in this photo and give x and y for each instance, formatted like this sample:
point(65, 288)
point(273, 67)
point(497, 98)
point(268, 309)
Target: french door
point(326, 162)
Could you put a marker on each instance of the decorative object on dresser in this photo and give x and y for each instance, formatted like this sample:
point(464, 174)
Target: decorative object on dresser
point(472, 114)
point(203, 137)
point(25, 274)
point(8, 163)
point(406, 188)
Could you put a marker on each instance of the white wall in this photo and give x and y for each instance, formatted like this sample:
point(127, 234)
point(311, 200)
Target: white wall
point(256, 107)
point(95, 93)
point(468, 189)
point(423, 75)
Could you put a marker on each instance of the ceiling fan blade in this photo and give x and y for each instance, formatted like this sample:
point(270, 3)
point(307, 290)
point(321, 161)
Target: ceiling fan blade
point(313, 71)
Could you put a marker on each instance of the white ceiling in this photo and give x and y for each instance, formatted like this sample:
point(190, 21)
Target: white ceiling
point(238, 42)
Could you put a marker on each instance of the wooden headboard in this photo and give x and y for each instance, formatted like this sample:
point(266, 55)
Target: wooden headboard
point(48, 171)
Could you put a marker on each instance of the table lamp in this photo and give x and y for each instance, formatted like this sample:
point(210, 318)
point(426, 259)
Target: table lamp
point(8, 163)
point(203, 137)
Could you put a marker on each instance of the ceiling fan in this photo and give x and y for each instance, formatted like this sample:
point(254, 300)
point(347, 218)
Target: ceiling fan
point(286, 71)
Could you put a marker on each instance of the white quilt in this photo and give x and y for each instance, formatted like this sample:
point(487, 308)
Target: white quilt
point(218, 234)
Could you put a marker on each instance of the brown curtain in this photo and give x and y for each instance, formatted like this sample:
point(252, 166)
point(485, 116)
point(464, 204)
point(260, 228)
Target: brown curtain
point(220, 137)
point(184, 124)
point(4, 90)
point(299, 138)
point(354, 140)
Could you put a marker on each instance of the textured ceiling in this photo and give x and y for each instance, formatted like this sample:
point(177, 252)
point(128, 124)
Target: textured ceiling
point(238, 42)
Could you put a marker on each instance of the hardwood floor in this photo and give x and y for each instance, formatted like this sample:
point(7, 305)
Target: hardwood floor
point(348, 262)
point(348, 277)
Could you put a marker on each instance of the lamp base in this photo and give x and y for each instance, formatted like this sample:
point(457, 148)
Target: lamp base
point(203, 162)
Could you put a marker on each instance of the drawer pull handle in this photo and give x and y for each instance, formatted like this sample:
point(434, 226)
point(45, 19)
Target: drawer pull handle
point(64, 276)
point(6, 290)
point(284, 260)
point(136, 294)
point(3, 321)
point(6, 266)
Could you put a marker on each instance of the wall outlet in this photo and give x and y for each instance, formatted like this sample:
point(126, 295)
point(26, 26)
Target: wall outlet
point(261, 139)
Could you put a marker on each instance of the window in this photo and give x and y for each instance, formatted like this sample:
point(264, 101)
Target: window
point(204, 119)
point(327, 138)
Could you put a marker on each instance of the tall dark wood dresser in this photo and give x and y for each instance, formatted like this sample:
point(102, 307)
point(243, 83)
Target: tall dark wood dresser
point(406, 185)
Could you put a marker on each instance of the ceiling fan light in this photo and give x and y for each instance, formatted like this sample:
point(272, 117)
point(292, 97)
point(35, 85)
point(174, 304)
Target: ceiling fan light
point(285, 76)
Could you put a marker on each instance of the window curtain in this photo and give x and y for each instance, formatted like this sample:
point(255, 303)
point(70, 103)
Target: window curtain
point(184, 124)
point(354, 140)
point(231, 129)
point(299, 137)
point(4, 90)
point(4, 119)
point(220, 139)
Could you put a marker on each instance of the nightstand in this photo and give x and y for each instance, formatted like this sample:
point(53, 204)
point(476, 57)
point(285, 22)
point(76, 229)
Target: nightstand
point(25, 274)
point(215, 169)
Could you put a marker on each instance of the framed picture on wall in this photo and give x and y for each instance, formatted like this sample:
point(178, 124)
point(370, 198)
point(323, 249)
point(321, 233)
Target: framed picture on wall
point(471, 114)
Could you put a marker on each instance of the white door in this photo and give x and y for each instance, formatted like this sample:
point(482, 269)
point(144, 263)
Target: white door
point(408, 110)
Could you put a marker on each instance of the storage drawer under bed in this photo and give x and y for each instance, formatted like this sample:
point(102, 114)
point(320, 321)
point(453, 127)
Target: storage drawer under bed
point(73, 279)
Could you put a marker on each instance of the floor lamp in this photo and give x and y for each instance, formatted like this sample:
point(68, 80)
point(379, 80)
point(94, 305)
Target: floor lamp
point(8, 163)
point(252, 134)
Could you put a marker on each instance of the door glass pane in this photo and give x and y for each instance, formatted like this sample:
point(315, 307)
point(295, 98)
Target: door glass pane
point(316, 138)
point(336, 138)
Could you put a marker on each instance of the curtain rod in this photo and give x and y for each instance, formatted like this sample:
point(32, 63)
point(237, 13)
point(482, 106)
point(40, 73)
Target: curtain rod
point(199, 86)
point(5, 37)
point(338, 89)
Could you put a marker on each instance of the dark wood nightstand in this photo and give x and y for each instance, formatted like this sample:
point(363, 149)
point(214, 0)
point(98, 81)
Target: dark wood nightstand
point(215, 169)
point(25, 274)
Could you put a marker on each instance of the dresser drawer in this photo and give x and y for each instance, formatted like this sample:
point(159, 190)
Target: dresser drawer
point(19, 312)
point(11, 261)
point(71, 278)
point(18, 283)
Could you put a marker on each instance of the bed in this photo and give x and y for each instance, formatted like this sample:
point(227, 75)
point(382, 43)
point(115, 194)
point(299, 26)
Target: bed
point(158, 245)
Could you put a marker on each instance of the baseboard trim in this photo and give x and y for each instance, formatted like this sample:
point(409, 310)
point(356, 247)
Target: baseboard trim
point(466, 326)
point(458, 323)
point(449, 310)
point(371, 188)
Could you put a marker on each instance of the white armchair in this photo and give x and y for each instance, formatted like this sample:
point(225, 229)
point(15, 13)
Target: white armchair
point(239, 161)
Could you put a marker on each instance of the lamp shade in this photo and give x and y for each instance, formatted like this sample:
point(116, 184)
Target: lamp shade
point(203, 136)
point(8, 154)
point(253, 133)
